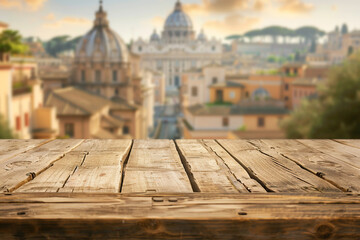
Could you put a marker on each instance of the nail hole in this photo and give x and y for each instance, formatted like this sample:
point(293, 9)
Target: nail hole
point(242, 213)
point(21, 213)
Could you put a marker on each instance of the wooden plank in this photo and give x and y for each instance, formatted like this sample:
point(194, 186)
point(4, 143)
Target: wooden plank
point(24, 167)
point(13, 147)
point(345, 153)
point(101, 169)
point(54, 178)
point(205, 170)
point(234, 167)
point(276, 174)
point(181, 216)
point(155, 166)
point(329, 168)
point(352, 142)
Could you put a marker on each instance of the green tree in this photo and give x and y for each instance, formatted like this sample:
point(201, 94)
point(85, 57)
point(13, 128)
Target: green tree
point(11, 42)
point(60, 44)
point(309, 33)
point(335, 112)
point(5, 131)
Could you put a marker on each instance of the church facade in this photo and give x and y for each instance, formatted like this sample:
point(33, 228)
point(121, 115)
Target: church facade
point(178, 48)
point(104, 66)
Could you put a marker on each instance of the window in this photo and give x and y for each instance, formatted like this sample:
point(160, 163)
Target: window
point(214, 80)
point(140, 48)
point(295, 71)
point(194, 91)
point(213, 48)
point(246, 94)
point(225, 122)
point(232, 94)
point(126, 130)
point(26, 119)
point(261, 122)
point(83, 76)
point(286, 86)
point(98, 76)
point(286, 99)
point(18, 123)
point(69, 129)
point(287, 71)
point(116, 92)
point(115, 76)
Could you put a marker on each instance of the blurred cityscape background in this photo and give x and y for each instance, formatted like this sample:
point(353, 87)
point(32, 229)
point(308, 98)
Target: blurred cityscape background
point(194, 69)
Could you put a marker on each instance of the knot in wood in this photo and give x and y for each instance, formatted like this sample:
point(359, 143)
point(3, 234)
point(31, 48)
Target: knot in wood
point(32, 175)
point(324, 231)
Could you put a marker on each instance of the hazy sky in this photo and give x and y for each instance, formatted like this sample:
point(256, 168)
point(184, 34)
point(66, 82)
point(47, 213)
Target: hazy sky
point(138, 18)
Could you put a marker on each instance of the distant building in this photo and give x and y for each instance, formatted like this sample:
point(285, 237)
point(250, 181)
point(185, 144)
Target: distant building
point(178, 49)
point(261, 117)
point(21, 100)
point(336, 49)
point(3, 26)
point(304, 88)
point(83, 114)
point(104, 66)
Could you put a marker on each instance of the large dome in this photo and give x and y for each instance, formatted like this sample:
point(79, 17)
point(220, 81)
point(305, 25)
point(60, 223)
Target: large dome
point(178, 18)
point(101, 43)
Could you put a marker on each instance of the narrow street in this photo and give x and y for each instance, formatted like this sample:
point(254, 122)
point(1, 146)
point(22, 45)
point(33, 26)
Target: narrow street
point(168, 115)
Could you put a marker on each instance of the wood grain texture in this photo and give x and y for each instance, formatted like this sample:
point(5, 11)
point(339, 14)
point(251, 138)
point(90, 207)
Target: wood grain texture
point(101, 168)
point(204, 167)
point(340, 174)
point(155, 166)
point(13, 147)
point(345, 153)
point(234, 167)
point(24, 167)
point(188, 216)
point(276, 174)
point(352, 142)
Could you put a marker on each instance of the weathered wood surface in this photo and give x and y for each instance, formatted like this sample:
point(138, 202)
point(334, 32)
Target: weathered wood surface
point(312, 158)
point(155, 166)
point(180, 216)
point(18, 170)
point(198, 189)
point(11, 148)
point(94, 166)
point(276, 174)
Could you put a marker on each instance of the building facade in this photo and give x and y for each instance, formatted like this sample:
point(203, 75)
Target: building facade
point(104, 66)
point(177, 49)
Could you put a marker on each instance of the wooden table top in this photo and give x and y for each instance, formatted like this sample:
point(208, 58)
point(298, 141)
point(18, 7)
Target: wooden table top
point(278, 189)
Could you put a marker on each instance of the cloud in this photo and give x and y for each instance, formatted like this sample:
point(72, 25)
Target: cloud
point(35, 4)
point(10, 4)
point(295, 6)
point(31, 5)
point(66, 20)
point(217, 6)
point(158, 21)
point(50, 17)
point(260, 5)
point(232, 24)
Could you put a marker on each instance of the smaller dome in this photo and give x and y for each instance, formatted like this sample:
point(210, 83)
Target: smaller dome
point(261, 93)
point(202, 37)
point(155, 37)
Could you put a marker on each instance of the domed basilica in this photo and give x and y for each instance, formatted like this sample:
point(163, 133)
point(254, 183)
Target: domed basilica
point(178, 48)
point(104, 66)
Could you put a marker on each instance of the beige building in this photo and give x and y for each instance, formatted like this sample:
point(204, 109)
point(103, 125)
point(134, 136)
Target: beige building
point(178, 49)
point(3, 26)
point(257, 117)
point(83, 114)
point(104, 66)
point(21, 100)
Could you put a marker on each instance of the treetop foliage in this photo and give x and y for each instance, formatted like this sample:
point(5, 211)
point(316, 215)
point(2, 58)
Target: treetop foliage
point(335, 112)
